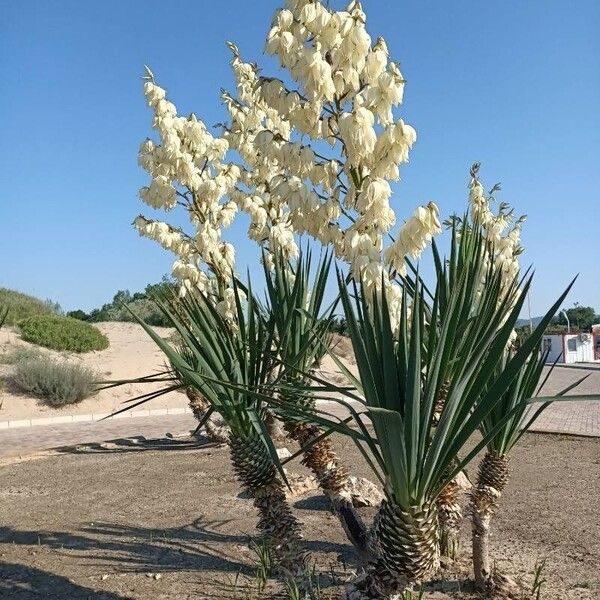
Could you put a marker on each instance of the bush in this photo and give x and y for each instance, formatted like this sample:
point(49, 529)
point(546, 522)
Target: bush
point(57, 383)
point(21, 306)
point(144, 308)
point(19, 353)
point(80, 315)
point(62, 333)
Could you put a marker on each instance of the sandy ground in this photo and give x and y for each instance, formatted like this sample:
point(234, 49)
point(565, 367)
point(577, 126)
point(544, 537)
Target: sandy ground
point(131, 354)
point(134, 522)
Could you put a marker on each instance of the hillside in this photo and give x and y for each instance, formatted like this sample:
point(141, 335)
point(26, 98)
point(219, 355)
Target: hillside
point(20, 306)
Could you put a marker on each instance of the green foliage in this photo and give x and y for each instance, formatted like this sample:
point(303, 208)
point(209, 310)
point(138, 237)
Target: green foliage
point(581, 318)
point(62, 333)
point(295, 306)
point(503, 434)
point(264, 563)
point(20, 306)
point(338, 325)
point(141, 303)
point(57, 383)
point(78, 314)
point(452, 341)
point(226, 362)
point(538, 580)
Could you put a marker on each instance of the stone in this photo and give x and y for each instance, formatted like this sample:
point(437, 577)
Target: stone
point(463, 482)
point(364, 492)
point(283, 453)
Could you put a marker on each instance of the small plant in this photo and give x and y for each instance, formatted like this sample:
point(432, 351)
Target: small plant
point(538, 580)
point(62, 333)
point(412, 595)
point(57, 383)
point(264, 563)
point(18, 354)
point(292, 591)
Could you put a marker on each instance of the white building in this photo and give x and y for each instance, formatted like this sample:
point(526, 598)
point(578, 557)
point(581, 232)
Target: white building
point(570, 347)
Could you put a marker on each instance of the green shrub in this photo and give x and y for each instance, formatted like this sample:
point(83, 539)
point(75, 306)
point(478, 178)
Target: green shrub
point(62, 333)
point(144, 308)
point(141, 303)
point(21, 306)
point(57, 383)
point(80, 315)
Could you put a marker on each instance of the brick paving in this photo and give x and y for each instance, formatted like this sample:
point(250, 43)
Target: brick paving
point(114, 434)
point(578, 418)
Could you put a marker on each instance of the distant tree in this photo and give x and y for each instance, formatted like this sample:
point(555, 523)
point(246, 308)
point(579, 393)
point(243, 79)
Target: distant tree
point(581, 317)
point(122, 297)
point(78, 314)
point(141, 303)
point(54, 307)
point(339, 325)
point(167, 284)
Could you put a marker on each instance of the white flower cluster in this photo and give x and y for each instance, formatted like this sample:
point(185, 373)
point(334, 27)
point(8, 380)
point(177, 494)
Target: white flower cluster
point(347, 90)
point(187, 167)
point(500, 228)
point(315, 160)
point(414, 236)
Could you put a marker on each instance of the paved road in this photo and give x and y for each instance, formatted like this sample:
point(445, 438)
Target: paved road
point(579, 418)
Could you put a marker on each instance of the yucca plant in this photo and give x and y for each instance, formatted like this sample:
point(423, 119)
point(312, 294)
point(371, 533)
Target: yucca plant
point(401, 372)
point(468, 247)
point(502, 436)
point(302, 321)
point(238, 354)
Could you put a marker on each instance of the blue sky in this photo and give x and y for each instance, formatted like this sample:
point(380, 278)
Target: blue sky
point(513, 84)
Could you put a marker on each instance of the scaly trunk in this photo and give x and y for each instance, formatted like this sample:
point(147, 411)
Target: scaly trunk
point(491, 481)
point(216, 432)
point(255, 470)
point(332, 476)
point(449, 517)
point(406, 544)
point(449, 511)
point(334, 480)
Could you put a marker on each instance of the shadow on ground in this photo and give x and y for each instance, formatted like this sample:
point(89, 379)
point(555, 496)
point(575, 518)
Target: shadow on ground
point(123, 548)
point(21, 582)
point(138, 443)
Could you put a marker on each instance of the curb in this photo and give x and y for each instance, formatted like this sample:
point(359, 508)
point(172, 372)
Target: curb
point(584, 366)
point(132, 414)
point(13, 424)
point(563, 432)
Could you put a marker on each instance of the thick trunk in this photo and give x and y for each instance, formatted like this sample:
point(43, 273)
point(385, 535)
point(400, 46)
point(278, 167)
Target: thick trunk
point(333, 478)
point(255, 470)
point(406, 545)
point(377, 583)
point(449, 517)
point(491, 481)
point(274, 427)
